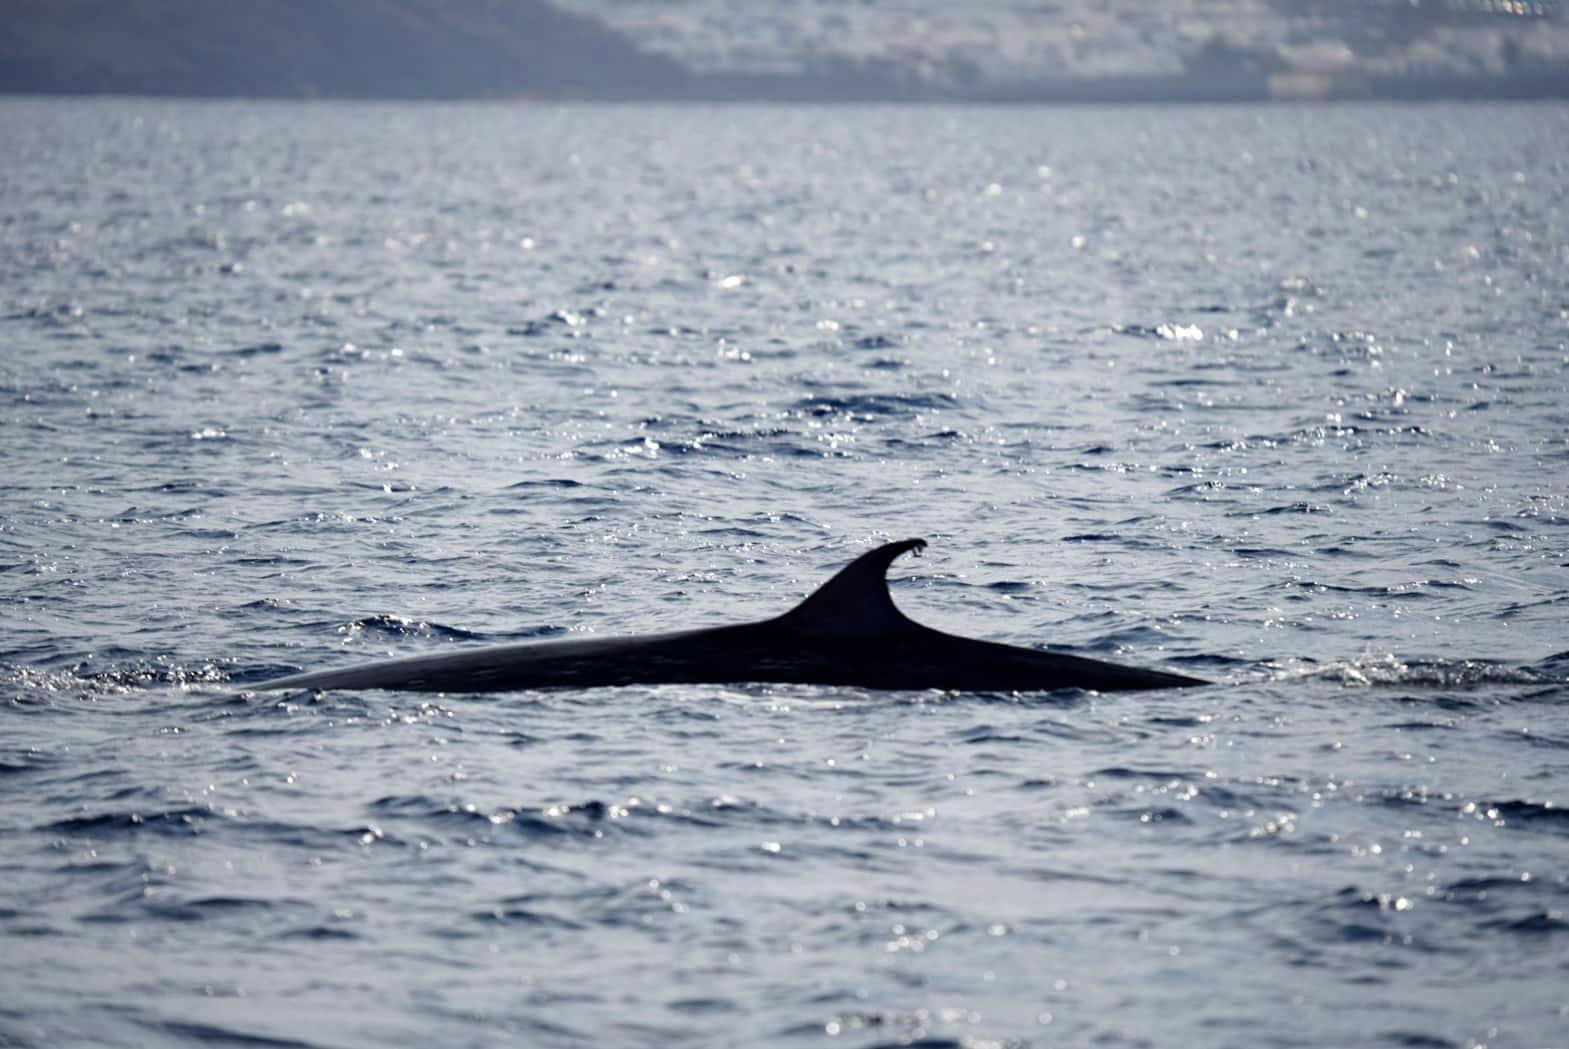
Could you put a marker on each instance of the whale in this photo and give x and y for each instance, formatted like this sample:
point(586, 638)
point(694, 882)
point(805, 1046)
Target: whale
point(848, 632)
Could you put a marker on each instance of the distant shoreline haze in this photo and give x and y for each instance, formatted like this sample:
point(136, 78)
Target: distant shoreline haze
point(500, 49)
point(388, 49)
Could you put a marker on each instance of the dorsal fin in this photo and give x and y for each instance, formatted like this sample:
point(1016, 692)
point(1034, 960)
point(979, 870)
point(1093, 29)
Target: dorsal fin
point(855, 602)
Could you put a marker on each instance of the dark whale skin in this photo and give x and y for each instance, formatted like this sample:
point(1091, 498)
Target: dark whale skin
point(848, 632)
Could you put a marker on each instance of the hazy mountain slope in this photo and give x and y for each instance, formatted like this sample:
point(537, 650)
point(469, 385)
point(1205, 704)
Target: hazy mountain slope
point(336, 48)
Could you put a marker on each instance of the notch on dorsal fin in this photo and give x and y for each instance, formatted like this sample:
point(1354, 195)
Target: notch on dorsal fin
point(855, 603)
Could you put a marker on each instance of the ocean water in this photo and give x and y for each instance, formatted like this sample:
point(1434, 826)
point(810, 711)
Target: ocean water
point(1277, 397)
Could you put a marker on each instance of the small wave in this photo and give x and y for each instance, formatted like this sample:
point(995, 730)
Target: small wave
point(260, 349)
point(546, 482)
point(1165, 331)
point(989, 734)
point(1120, 773)
point(1542, 815)
point(1355, 916)
point(588, 818)
point(1538, 924)
point(875, 405)
point(529, 824)
point(182, 822)
point(1388, 670)
point(901, 1030)
point(1145, 814)
point(1475, 890)
point(212, 1034)
point(31, 684)
point(518, 911)
point(560, 322)
point(1284, 508)
point(318, 933)
point(398, 626)
point(206, 908)
point(1414, 1040)
point(1198, 489)
point(1555, 666)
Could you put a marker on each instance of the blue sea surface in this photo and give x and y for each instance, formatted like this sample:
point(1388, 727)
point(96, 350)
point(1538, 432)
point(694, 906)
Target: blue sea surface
point(1278, 397)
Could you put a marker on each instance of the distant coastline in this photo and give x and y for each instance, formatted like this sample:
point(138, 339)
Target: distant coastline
point(469, 49)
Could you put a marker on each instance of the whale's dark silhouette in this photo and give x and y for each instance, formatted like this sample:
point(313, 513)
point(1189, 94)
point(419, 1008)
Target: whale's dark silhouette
point(848, 632)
